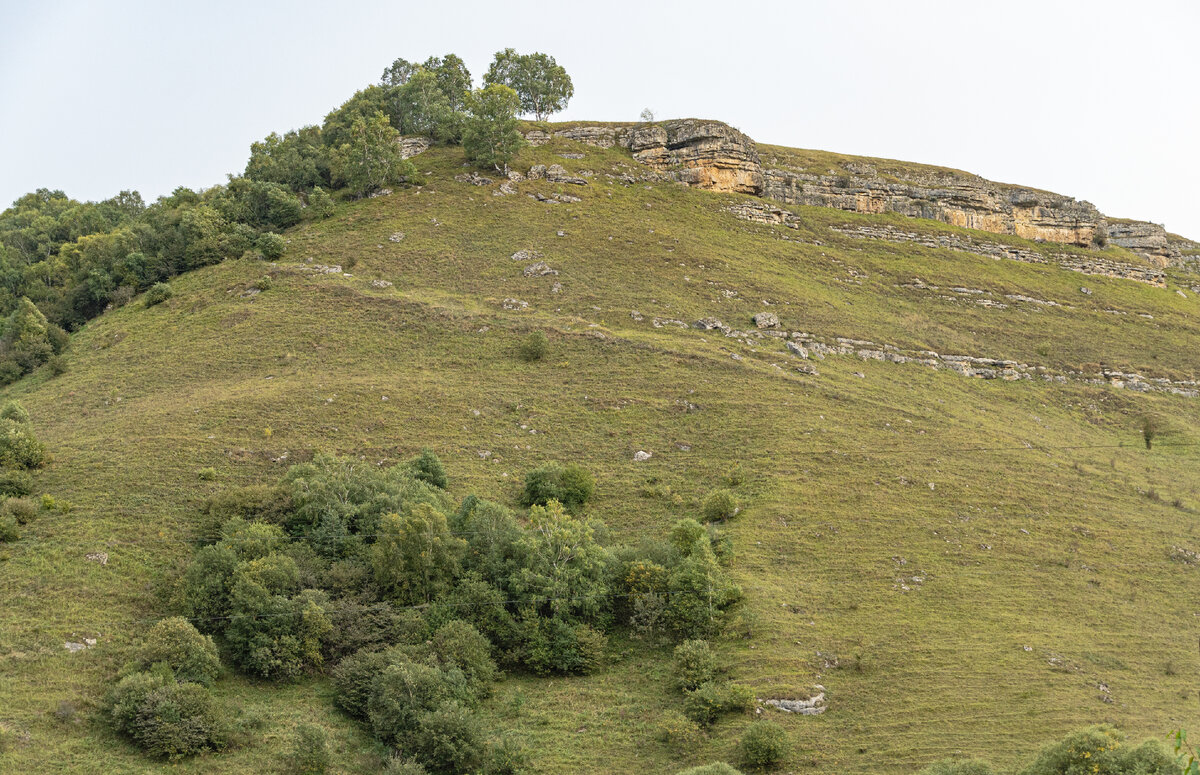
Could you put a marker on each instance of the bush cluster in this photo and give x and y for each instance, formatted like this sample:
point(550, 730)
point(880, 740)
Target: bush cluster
point(162, 702)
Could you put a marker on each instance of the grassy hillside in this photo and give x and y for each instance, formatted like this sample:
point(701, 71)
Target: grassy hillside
point(969, 567)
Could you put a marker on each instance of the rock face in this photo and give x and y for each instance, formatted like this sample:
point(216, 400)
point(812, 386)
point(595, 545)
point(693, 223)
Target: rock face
point(1153, 241)
point(705, 154)
point(713, 155)
point(960, 200)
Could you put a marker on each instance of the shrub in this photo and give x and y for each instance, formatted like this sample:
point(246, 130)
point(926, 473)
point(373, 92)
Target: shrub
point(716, 768)
point(320, 203)
point(764, 744)
point(271, 245)
point(711, 699)
point(534, 347)
point(263, 283)
point(449, 740)
point(458, 644)
point(158, 293)
point(191, 656)
point(695, 664)
point(204, 591)
point(1100, 750)
point(427, 468)
point(14, 411)
point(121, 296)
point(18, 447)
point(678, 731)
point(506, 756)
point(8, 528)
point(310, 751)
point(720, 505)
point(571, 485)
point(271, 635)
point(403, 693)
point(958, 767)
point(163, 717)
point(399, 766)
point(57, 365)
point(24, 510)
point(207, 474)
point(354, 678)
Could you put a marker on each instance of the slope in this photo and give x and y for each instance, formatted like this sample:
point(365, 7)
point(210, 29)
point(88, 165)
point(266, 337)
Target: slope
point(967, 565)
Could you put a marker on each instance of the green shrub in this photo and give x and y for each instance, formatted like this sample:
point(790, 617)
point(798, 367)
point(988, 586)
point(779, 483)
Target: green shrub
point(15, 483)
point(764, 744)
point(204, 590)
point(271, 635)
point(271, 245)
point(18, 447)
point(695, 664)
point(24, 510)
point(207, 474)
point(158, 293)
point(458, 644)
point(320, 203)
point(678, 731)
point(8, 528)
point(263, 283)
point(716, 768)
point(14, 411)
point(506, 756)
point(534, 347)
point(399, 766)
point(710, 700)
point(310, 751)
point(57, 365)
point(427, 468)
point(403, 693)
point(958, 767)
point(1101, 750)
point(571, 485)
point(449, 740)
point(191, 656)
point(163, 717)
point(719, 506)
point(354, 680)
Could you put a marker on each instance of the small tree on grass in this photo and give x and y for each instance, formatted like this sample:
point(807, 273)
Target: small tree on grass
point(310, 751)
point(571, 485)
point(371, 159)
point(720, 506)
point(764, 744)
point(541, 83)
point(534, 347)
point(490, 136)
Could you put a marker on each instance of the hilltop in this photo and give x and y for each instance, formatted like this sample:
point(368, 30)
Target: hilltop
point(959, 416)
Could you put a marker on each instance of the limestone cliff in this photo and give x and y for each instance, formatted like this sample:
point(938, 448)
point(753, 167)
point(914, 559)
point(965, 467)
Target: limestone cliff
point(714, 155)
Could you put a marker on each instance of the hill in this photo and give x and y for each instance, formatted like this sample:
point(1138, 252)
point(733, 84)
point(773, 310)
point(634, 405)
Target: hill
point(954, 521)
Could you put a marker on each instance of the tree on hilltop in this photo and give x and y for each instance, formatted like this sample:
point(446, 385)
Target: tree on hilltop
point(541, 83)
point(490, 137)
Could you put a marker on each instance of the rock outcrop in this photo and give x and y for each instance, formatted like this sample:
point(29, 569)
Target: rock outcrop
point(715, 156)
point(960, 200)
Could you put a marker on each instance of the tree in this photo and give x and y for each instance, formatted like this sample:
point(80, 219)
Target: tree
point(453, 78)
point(490, 135)
point(416, 558)
point(371, 158)
point(420, 107)
point(541, 83)
point(565, 566)
point(398, 72)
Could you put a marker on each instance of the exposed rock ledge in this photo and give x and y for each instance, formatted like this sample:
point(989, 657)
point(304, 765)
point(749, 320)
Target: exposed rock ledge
point(713, 155)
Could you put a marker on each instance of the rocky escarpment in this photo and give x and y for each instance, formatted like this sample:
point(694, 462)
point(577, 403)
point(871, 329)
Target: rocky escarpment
point(960, 200)
point(713, 155)
point(705, 154)
point(1153, 241)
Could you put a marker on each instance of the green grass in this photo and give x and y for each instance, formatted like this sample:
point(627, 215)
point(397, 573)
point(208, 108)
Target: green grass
point(1034, 532)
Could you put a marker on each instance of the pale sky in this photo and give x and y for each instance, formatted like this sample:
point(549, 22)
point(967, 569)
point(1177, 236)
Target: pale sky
point(1097, 100)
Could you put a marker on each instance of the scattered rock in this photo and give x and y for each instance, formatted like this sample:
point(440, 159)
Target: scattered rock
point(474, 178)
point(100, 557)
point(798, 349)
point(540, 269)
point(641, 455)
point(380, 192)
point(381, 284)
point(571, 155)
point(812, 706)
point(515, 304)
point(413, 146)
point(75, 647)
point(766, 320)
point(561, 233)
point(1085, 290)
point(526, 255)
point(557, 287)
point(505, 189)
point(396, 237)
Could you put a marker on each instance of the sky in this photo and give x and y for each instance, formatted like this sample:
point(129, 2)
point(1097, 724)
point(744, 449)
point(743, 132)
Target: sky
point(1094, 99)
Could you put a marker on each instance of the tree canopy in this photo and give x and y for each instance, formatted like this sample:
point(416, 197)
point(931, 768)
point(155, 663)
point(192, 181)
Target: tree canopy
point(541, 83)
